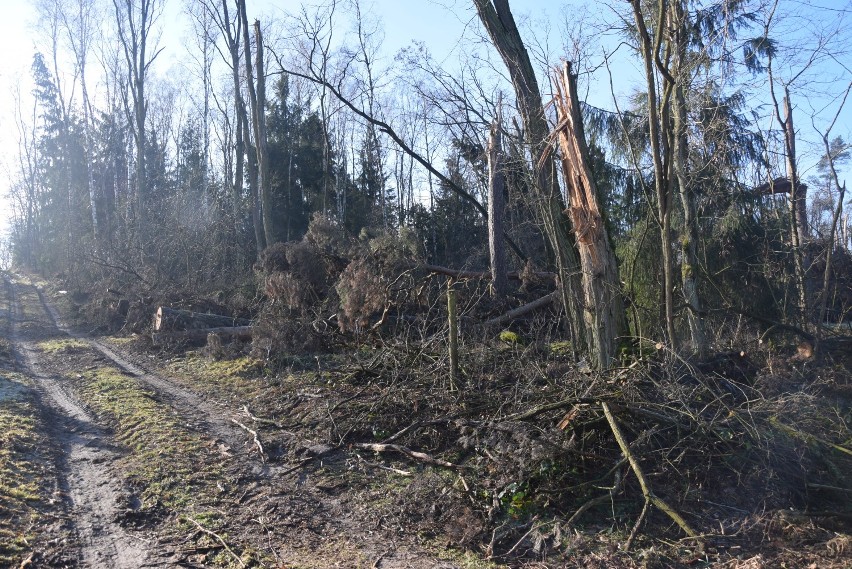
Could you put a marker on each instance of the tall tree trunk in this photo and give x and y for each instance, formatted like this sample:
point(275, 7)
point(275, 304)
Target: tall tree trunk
point(689, 241)
point(256, 207)
point(604, 310)
point(496, 206)
point(661, 175)
point(255, 152)
point(798, 215)
point(134, 29)
point(244, 147)
point(78, 27)
point(500, 24)
point(271, 228)
point(232, 39)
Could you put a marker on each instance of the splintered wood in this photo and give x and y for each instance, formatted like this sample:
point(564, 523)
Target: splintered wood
point(603, 308)
point(580, 187)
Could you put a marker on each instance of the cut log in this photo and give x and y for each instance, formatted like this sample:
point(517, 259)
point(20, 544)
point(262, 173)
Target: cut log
point(239, 332)
point(173, 320)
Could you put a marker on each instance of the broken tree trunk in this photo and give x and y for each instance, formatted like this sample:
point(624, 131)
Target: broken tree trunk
point(173, 320)
point(499, 22)
point(603, 309)
point(496, 207)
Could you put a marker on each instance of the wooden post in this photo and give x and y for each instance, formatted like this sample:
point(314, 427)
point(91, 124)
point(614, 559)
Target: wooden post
point(452, 318)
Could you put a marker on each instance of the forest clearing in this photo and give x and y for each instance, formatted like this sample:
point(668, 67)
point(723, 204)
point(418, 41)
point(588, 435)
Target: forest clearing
point(298, 302)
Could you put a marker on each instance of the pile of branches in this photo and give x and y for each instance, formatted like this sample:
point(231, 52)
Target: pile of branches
point(661, 447)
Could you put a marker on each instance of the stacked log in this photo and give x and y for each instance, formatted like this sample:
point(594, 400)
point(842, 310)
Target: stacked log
point(176, 325)
point(176, 320)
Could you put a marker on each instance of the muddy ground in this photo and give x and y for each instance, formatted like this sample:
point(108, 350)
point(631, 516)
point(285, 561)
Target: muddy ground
point(114, 455)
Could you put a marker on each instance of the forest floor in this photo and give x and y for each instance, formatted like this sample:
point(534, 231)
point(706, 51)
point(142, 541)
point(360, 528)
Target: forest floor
point(112, 455)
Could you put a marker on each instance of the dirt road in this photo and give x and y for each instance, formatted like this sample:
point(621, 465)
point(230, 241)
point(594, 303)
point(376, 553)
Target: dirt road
point(140, 468)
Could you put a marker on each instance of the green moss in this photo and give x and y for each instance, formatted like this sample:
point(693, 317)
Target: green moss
point(165, 456)
point(509, 337)
point(561, 348)
point(464, 559)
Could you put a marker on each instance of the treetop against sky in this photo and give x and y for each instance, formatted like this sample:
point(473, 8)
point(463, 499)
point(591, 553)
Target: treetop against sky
point(812, 38)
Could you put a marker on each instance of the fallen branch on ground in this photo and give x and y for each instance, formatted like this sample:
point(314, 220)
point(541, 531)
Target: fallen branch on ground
point(383, 467)
point(256, 439)
point(305, 461)
point(608, 497)
point(421, 456)
point(522, 310)
point(643, 483)
point(417, 425)
point(242, 332)
point(264, 421)
point(461, 274)
point(174, 319)
point(217, 537)
point(529, 414)
point(806, 436)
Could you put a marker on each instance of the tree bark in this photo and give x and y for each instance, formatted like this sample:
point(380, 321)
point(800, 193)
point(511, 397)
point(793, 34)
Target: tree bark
point(271, 228)
point(689, 241)
point(496, 207)
point(604, 309)
point(252, 150)
point(798, 215)
point(500, 25)
point(233, 43)
point(453, 336)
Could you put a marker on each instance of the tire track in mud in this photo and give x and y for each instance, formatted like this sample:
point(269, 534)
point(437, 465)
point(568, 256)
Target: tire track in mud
point(215, 420)
point(207, 416)
point(86, 464)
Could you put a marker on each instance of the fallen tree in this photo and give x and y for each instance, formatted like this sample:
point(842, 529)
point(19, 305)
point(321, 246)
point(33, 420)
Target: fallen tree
point(173, 319)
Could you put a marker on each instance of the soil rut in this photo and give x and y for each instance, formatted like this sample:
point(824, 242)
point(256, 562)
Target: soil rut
point(307, 518)
point(206, 416)
point(87, 479)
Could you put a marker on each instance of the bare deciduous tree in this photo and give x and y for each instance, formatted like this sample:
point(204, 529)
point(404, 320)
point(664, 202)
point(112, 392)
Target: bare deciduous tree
point(135, 24)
